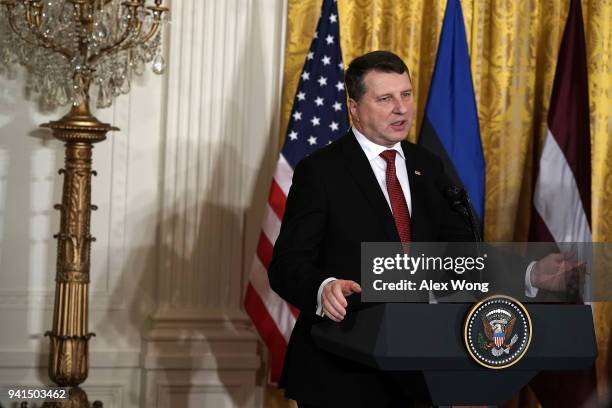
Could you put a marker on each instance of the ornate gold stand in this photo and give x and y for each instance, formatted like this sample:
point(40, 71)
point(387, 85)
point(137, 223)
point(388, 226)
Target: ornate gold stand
point(69, 351)
point(80, 43)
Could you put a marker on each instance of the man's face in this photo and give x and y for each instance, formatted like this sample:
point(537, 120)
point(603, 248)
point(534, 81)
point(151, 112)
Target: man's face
point(384, 113)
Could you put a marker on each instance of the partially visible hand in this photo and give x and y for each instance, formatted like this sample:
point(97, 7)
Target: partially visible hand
point(334, 296)
point(558, 272)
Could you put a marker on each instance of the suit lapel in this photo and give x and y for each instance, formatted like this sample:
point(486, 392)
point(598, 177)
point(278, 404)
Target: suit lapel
point(359, 167)
point(418, 193)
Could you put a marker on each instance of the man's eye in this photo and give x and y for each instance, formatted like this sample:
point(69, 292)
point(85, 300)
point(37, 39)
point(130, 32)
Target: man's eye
point(406, 94)
point(384, 99)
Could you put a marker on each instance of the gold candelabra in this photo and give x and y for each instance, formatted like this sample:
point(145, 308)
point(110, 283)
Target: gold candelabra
point(67, 46)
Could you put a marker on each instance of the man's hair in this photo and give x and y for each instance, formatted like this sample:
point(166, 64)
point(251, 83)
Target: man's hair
point(381, 61)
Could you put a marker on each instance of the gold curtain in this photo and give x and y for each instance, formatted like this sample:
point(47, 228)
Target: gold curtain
point(513, 49)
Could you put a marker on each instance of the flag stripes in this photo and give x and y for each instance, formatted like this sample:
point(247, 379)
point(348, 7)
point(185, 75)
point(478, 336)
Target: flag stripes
point(557, 198)
point(318, 117)
point(562, 196)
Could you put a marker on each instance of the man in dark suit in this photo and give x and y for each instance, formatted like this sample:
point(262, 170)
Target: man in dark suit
point(371, 185)
point(339, 198)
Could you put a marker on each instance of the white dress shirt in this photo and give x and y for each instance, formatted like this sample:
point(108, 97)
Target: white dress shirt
point(379, 166)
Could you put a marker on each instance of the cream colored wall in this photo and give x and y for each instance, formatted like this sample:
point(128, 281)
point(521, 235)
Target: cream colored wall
point(181, 190)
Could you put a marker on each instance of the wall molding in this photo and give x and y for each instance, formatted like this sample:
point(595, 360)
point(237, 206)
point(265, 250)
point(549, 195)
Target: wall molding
point(43, 300)
point(236, 386)
point(164, 392)
point(97, 359)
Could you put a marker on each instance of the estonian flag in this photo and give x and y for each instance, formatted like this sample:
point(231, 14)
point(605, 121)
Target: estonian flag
point(450, 124)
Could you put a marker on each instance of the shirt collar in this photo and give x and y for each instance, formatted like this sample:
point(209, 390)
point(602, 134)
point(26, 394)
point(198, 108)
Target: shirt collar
point(373, 150)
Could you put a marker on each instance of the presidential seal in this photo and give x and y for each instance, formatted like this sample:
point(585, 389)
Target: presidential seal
point(497, 332)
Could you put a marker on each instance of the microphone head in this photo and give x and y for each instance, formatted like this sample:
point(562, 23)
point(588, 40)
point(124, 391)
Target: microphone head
point(451, 191)
point(456, 198)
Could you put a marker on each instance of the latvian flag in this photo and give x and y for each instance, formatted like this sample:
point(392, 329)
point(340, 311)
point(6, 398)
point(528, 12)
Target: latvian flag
point(562, 197)
point(319, 116)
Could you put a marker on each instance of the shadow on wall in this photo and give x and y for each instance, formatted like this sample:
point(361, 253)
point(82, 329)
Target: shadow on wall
point(212, 265)
point(133, 296)
point(213, 215)
point(219, 224)
point(191, 272)
point(258, 198)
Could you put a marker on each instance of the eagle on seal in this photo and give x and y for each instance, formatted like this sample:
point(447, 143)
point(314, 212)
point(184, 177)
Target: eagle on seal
point(498, 330)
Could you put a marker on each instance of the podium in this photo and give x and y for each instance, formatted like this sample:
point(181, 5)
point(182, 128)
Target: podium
point(401, 338)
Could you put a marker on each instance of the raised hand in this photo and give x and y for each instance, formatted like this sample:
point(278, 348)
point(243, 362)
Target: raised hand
point(558, 272)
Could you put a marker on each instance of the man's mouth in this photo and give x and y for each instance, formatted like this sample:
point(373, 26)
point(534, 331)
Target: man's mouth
point(398, 125)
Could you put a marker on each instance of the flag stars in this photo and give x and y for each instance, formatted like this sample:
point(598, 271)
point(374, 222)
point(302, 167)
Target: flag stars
point(315, 110)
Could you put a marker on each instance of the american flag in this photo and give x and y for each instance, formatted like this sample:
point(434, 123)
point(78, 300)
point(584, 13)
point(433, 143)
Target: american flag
point(319, 116)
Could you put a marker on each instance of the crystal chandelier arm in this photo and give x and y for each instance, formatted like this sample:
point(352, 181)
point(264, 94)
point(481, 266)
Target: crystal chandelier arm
point(151, 33)
point(157, 11)
point(35, 25)
point(124, 40)
point(42, 41)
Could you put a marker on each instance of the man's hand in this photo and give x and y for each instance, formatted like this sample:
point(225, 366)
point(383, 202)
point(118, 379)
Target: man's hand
point(333, 297)
point(558, 272)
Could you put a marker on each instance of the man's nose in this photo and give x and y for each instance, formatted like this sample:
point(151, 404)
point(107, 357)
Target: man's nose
point(400, 106)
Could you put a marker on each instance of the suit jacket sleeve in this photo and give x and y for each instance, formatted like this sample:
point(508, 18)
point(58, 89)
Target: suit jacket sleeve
point(293, 271)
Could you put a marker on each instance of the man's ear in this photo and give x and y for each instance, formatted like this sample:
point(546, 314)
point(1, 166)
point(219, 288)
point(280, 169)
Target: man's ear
point(352, 105)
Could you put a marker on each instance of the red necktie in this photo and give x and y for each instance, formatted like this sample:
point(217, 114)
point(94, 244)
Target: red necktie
point(401, 215)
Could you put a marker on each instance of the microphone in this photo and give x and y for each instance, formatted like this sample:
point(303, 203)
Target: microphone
point(459, 201)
